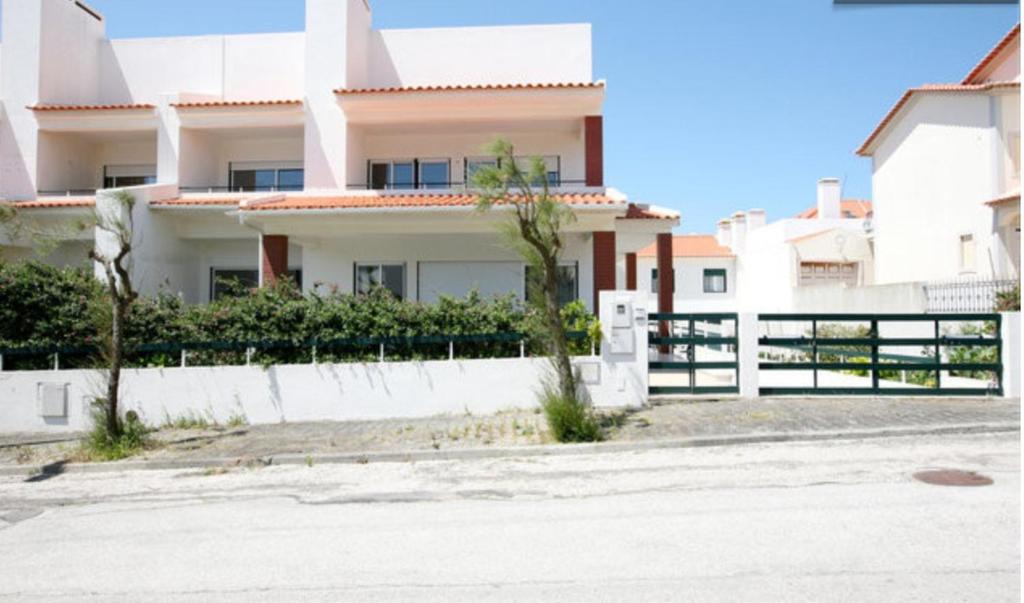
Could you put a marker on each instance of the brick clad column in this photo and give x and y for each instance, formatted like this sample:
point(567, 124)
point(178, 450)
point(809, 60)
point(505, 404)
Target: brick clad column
point(593, 145)
point(665, 278)
point(273, 258)
point(604, 265)
point(631, 271)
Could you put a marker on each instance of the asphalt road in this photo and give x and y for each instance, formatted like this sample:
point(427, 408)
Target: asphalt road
point(824, 521)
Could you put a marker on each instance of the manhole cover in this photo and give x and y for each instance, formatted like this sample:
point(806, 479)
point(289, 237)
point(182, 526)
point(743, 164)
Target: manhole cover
point(953, 477)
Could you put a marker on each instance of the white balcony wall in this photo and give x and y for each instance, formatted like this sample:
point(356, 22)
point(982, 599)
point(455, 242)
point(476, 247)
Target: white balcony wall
point(70, 161)
point(480, 55)
point(331, 262)
point(206, 155)
point(565, 143)
point(236, 67)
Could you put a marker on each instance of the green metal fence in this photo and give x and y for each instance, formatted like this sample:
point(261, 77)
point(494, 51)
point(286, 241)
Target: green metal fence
point(677, 350)
point(310, 349)
point(864, 354)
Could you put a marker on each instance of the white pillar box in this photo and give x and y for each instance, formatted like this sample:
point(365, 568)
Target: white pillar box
point(623, 382)
point(1011, 354)
point(746, 333)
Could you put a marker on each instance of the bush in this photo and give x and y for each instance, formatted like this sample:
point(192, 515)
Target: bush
point(1009, 300)
point(570, 420)
point(43, 306)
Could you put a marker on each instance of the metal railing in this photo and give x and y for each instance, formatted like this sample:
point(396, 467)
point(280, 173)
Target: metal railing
point(73, 192)
point(965, 295)
point(662, 332)
point(359, 349)
point(241, 189)
point(454, 184)
point(867, 351)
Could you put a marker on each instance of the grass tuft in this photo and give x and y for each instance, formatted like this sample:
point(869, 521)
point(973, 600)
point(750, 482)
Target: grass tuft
point(570, 420)
point(100, 445)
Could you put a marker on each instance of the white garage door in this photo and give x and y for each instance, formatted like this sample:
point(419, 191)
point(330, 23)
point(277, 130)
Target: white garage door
point(459, 278)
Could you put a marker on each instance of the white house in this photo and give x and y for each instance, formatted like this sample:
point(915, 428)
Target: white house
point(339, 154)
point(808, 262)
point(945, 166)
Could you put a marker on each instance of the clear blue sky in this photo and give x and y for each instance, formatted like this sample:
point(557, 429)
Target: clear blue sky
point(712, 106)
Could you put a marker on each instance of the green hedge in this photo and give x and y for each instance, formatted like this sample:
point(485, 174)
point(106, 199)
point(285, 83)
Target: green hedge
point(41, 306)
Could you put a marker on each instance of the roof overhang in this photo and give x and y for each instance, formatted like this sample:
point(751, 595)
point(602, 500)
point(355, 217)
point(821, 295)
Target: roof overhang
point(832, 245)
point(241, 114)
point(460, 103)
point(96, 118)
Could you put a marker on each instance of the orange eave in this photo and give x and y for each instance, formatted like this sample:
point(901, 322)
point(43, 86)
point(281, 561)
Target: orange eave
point(691, 246)
point(111, 107)
point(228, 104)
point(466, 200)
point(1004, 200)
point(992, 55)
point(54, 203)
point(864, 149)
point(468, 87)
point(636, 212)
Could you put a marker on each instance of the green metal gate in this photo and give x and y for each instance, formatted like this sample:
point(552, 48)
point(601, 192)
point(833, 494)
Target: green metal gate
point(863, 354)
point(674, 341)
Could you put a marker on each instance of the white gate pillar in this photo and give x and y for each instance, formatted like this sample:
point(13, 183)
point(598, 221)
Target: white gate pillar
point(746, 334)
point(1011, 354)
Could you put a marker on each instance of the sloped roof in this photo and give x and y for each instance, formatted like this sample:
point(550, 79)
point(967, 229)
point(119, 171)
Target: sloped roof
point(978, 72)
point(303, 202)
point(469, 87)
point(690, 246)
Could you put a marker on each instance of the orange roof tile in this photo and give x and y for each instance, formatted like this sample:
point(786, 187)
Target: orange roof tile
point(411, 200)
point(247, 103)
point(690, 246)
point(987, 60)
point(891, 115)
point(111, 107)
point(468, 87)
point(635, 212)
point(856, 208)
point(55, 202)
point(1004, 200)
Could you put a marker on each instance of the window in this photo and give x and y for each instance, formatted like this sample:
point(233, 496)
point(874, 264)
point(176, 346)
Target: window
point(568, 283)
point(714, 280)
point(224, 281)
point(434, 174)
point(398, 174)
point(828, 273)
point(389, 276)
point(474, 165)
point(654, 280)
point(116, 176)
point(552, 167)
point(967, 253)
point(264, 176)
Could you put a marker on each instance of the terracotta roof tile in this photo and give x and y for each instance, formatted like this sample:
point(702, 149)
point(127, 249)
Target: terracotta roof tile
point(635, 212)
point(246, 103)
point(112, 107)
point(412, 200)
point(857, 208)
point(690, 246)
point(987, 60)
point(891, 115)
point(55, 202)
point(1004, 200)
point(468, 87)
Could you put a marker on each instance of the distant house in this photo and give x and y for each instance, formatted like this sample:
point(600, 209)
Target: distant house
point(945, 164)
point(704, 273)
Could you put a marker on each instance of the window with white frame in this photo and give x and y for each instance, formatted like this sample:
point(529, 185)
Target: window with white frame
point(475, 164)
point(395, 174)
point(391, 276)
point(260, 176)
point(967, 254)
point(714, 280)
point(117, 176)
point(434, 174)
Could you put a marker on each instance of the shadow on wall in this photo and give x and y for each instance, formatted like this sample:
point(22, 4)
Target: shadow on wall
point(113, 84)
point(381, 71)
point(17, 183)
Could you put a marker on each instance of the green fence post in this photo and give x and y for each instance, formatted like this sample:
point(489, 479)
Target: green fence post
point(874, 355)
point(938, 355)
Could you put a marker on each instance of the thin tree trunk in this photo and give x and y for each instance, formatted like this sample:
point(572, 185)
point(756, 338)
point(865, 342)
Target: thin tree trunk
point(560, 348)
point(116, 360)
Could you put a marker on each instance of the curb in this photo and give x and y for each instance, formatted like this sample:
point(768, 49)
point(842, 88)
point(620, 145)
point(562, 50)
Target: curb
point(520, 451)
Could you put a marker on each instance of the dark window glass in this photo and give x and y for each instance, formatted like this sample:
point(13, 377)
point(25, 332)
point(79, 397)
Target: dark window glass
point(654, 280)
point(379, 176)
point(714, 280)
point(389, 276)
point(290, 180)
point(226, 282)
point(475, 165)
point(568, 283)
point(434, 174)
point(402, 175)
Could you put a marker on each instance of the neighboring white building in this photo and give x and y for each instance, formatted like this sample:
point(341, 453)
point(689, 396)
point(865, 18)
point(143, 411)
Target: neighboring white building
point(808, 262)
point(946, 176)
point(339, 154)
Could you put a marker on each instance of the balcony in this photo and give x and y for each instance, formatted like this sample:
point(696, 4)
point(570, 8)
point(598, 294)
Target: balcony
point(78, 163)
point(241, 160)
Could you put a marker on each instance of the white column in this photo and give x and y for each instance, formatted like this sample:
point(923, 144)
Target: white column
point(1011, 354)
point(746, 333)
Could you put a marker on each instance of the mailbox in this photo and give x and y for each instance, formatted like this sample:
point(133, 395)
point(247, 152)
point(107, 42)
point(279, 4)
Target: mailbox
point(622, 327)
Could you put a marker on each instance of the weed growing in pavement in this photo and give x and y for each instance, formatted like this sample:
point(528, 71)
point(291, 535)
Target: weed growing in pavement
point(100, 445)
point(570, 420)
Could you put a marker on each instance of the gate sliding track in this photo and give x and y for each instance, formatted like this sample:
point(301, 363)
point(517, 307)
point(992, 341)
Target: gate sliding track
point(867, 351)
point(667, 336)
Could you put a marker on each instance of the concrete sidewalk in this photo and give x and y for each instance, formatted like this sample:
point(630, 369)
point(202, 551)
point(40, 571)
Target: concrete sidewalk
point(666, 423)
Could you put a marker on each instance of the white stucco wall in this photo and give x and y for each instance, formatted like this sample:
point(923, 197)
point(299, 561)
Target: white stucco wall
point(932, 173)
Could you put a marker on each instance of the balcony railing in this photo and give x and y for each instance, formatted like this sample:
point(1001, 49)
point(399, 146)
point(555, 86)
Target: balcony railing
point(965, 295)
point(240, 189)
point(455, 184)
point(73, 192)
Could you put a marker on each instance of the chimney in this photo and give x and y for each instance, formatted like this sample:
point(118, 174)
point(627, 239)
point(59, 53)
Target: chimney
point(739, 232)
point(724, 234)
point(755, 219)
point(828, 199)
